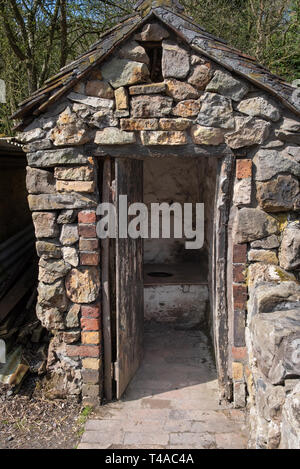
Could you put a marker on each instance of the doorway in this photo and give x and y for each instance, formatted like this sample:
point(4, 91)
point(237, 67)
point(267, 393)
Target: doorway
point(157, 283)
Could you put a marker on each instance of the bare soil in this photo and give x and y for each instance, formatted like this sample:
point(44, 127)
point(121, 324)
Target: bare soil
point(28, 420)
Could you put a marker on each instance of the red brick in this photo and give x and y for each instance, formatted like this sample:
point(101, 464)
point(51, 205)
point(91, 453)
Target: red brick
point(240, 253)
point(90, 324)
point(87, 231)
point(243, 169)
point(240, 296)
point(92, 351)
point(239, 353)
point(88, 244)
point(238, 271)
point(91, 311)
point(89, 258)
point(87, 216)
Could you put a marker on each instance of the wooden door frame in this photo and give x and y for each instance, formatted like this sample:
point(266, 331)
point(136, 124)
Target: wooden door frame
point(223, 200)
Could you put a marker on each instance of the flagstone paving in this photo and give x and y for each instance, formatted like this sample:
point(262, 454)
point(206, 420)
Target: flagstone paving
point(171, 403)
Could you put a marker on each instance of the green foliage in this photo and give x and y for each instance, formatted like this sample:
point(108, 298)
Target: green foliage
point(38, 37)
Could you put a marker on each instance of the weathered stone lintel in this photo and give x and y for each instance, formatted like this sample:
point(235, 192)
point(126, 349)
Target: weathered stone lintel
point(139, 151)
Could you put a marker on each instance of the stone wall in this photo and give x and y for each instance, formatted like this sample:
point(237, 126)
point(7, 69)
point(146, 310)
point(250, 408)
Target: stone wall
point(200, 108)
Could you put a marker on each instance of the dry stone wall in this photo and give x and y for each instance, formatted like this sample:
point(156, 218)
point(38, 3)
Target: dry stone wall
point(197, 103)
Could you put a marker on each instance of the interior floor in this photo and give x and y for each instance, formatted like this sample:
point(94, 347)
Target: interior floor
point(172, 402)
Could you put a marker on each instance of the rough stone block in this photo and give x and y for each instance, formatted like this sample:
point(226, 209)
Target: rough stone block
point(72, 317)
point(261, 273)
point(53, 296)
point(99, 89)
point(69, 235)
point(122, 72)
point(269, 163)
point(48, 250)
point(151, 106)
point(289, 255)
point(263, 255)
point(224, 83)
point(207, 135)
point(216, 111)
point(76, 186)
point(51, 270)
point(45, 225)
point(163, 138)
point(70, 256)
point(276, 339)
point(60, 201)
point(188, 108)
point(133, 51)
point(175, 124)
point(260, 107)
point(122, 98)
point(83, 285)
point(82, 173)
point(152, 32)
point(201, 76)
point(248, 131)
point(152, 88)
point(242, 192)
point(39, 181)
point(271, 242)
point(66, 216)
point(114, 136)
point(252, 224)
point(139, 124)
point(279, 195)
point(181, 91)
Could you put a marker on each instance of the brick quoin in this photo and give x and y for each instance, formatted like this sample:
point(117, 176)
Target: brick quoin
point(238, 273)
point(89, 258)
point(239, 353)
point(87, 216)
point(87, 231)
point(91, 311)
point(88, 324)
point(240, 297)
point(240, 253)
point(243, 169)
point(92, 351)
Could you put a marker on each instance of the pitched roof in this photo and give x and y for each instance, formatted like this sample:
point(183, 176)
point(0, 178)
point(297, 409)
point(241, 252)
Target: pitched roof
point(171, 13)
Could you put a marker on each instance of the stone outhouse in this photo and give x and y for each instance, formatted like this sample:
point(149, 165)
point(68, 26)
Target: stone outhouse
point(160, 110)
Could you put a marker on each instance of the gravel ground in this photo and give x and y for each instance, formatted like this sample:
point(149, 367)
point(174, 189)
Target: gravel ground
point(28, 420)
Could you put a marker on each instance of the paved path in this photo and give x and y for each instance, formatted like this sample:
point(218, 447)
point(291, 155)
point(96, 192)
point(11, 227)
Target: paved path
point(171, 403)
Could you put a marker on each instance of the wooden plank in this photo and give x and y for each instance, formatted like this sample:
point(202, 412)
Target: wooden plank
point(129, 281)
point(105, 256)
point(220, 281)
